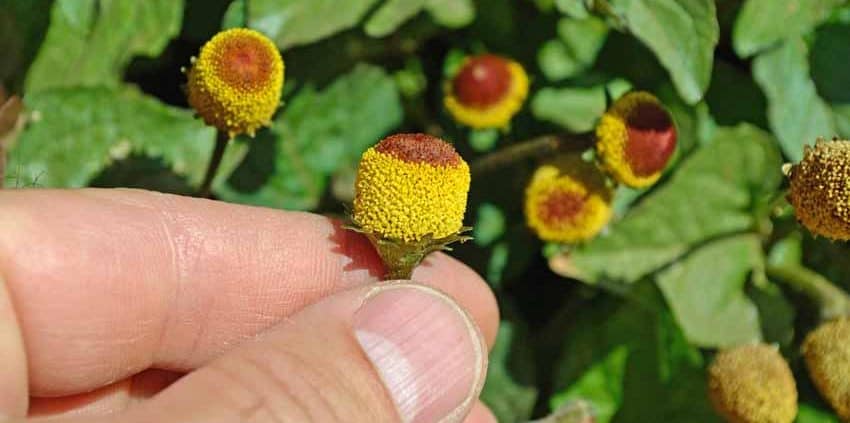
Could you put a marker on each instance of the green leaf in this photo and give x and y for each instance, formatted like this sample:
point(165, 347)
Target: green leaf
point(508, 391)
point(601, 385)
point(90, 42)
point(575, 50)
point(574, 8)
point(811, 414)
point(451, 13)
point(630, 361)
point(681, 33)
point(317, 133)
point(74, 133)
point(762, 23)
point(795, 112)
point(713, 194)
point(576, 109)
point(705, 290)
point(841, 113)
point(489, 224)
point(394, 13)
point(296, 22)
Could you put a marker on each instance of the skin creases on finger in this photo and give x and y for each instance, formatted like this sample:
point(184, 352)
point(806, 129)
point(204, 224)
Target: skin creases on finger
point(125, 280)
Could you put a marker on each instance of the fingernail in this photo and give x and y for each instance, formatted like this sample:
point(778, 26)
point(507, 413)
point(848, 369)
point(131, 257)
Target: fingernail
point(425, 348)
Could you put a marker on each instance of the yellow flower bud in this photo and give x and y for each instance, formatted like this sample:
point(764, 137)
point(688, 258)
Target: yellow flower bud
point(635, 139)
point(752, 384)
point(410, 198)
point(486, 92)
point(236, 82)
point(820, 189)
point(567, 200)
point(827, 354)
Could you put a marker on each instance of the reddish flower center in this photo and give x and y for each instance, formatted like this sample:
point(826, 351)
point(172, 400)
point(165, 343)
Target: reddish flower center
point(245, 62)
point(482, 81)
point(652, 139)
point(560, 206)
point(419, 148)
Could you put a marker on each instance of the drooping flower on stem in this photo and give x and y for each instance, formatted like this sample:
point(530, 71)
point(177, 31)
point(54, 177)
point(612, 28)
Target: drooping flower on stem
point(486, 92)
point(752, 384)
point(635, 139)
point(567, 200)
point(819, 189)
point(410, 199)
point(236, 82)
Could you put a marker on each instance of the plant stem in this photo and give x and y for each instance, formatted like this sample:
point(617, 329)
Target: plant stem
point(531, 148)
point(833, 301)
point(221, 140)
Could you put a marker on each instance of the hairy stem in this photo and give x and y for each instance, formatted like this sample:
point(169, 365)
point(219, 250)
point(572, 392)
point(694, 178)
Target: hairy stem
point(531, 148)
point(221, 140)
point(833, 301)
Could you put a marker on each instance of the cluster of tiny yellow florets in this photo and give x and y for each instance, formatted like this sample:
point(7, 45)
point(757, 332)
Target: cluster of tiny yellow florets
point(411, 186)
point(820, 189)
point(635, 138)
point(496, 108)
point(753, 384)
point(236, 82)
point(567, 200)
point(827, 354)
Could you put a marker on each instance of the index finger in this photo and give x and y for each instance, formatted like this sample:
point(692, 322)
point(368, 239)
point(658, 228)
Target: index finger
point(106, 283)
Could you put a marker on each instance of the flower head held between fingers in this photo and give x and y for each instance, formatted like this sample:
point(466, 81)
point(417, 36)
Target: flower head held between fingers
point(752, 384)
point(410, 198)
point(635, 139)
point(486, 92)
point(827, 354)
point(819, 189)
point(235, 83)
point(567, 200)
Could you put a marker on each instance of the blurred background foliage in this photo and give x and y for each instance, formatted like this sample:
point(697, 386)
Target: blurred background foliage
point(625, 322)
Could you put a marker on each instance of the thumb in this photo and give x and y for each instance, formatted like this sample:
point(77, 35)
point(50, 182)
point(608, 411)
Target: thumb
point(388, 352)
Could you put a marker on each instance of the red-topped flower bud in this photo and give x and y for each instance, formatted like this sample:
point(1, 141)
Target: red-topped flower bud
point(635, 139)
point(487, 91)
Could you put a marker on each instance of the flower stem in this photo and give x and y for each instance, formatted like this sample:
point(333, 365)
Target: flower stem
point(221, 140)
point(833, 301)
point(531, 148)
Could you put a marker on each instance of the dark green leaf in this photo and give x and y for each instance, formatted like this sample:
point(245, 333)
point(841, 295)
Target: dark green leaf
point(681, 33)
point(711, 195)
point(762, 23)
point(705, 291)
point(796, 114)
point(74, 133)
point(90, 42)
point(22, 28)
point(829, 63)
point(576, 109)
point(317, 133)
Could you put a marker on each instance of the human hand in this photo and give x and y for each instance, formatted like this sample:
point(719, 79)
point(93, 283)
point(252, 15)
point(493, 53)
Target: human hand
point(108, 297)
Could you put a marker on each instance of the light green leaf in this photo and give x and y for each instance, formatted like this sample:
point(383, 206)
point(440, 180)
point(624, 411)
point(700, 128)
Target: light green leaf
point(576, 50)
point(706, 292)
point(296, 22)
point(394, 13)
point(391, 15)
point(811, 414)
point(711, 195)
point(601, 385)
point(576, 109)
point(761, 23)
point(90, 42)
point(317, 133)
point(795, 112)
point(489, 224)
point(74, 133)
point(451, 13)
point(507, 391)
point(681, 33)
point(574, 8)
